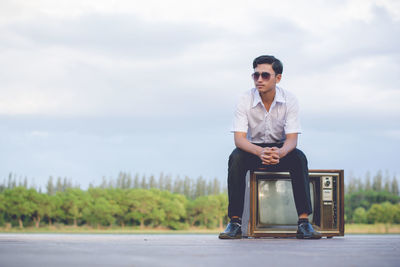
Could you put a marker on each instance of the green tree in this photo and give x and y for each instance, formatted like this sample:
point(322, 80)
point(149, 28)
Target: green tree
point(216, 187)
point(200, 187)
point(187, 187)
point(377, 181)
point(143, 206)
point(222, 209)
point(25, 182)
point(383, 213)
point(204, 211)
point(2, 208)
point(46, 208)
point(386, 186)
point(365, 199)
point(168, 183)
point(174, 209)
point(396, 216)
point(2, 187)
point(12, 183)
point(36, 200)
point(119, 183)
point(103, 184)
point(73, 202)
point(50, 187)
point(66, 184)
point(395, 186)
point(120, 202)
point(351, 186)
point(9, 183)
point(143, 184)
point(59, 186)
point(98, 210)
point(17, 204)
point(375, 214)
point(128, 181)
point(360, 215)
point(52, 210)
point(152, 182)
point(178, 186)
point(136, 183)
point(367, 186)
point(161, 181)
point(389, 212)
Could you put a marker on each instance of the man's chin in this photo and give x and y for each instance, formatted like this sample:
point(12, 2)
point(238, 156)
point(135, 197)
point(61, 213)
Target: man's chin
point(261, 90)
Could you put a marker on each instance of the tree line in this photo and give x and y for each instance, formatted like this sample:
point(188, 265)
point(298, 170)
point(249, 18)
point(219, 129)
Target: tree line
point(134, 201)
point(374, 199)
point(189, 187)
point(379, 183)
point(111, 206)
point(165, 202)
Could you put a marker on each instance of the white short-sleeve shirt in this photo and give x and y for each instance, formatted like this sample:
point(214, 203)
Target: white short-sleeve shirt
point(262, 126)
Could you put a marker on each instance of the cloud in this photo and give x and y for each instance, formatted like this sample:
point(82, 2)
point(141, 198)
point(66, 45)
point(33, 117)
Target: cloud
point(114, 35)
point(89, 88)
point(39, 134)
point(94, 59)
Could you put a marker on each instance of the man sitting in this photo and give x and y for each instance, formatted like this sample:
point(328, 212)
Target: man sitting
point(266, 126)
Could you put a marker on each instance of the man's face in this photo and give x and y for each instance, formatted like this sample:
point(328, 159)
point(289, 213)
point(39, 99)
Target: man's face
point(265, 85)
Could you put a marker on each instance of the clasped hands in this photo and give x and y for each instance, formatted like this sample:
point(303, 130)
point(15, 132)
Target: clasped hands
point(270, 155)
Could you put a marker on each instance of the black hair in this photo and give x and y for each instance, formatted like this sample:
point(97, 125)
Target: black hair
point(276, 63)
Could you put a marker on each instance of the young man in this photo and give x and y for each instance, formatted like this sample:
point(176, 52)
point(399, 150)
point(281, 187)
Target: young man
point(266, 126)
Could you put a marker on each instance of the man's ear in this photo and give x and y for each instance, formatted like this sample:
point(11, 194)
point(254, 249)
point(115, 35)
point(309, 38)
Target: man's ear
point(278, 78)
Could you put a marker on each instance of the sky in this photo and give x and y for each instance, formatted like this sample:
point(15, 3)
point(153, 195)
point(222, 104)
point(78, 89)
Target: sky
point(92, 88)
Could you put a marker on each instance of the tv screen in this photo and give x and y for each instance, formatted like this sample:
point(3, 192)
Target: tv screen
point(276, 202)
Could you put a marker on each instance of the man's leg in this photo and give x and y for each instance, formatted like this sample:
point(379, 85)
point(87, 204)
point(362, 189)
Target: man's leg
point(239, 163)
point(296, 163)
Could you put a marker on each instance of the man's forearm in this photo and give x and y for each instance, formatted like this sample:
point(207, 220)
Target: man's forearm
point(289, 144)
point(244, 144)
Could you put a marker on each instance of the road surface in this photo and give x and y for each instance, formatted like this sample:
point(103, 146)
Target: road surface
point(195, 250)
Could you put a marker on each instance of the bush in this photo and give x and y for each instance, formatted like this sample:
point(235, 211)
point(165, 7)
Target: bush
point(360, 215)
point(384, 213)
point(375, 214)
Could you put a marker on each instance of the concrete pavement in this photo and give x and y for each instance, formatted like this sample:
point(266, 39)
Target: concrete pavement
point(195, 250)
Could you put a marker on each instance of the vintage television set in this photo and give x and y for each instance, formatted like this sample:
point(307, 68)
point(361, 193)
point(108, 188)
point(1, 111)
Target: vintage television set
point(269, 209)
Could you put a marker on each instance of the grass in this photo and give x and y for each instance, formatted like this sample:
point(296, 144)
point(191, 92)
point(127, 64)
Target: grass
point(378, 228)
point(349, 229)
point(106, 230)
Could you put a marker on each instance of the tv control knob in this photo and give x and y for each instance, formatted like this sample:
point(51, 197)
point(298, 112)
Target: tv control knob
point(327, 183)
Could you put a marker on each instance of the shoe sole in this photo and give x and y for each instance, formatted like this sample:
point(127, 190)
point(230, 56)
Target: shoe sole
point(222, 236)
point(308, 237)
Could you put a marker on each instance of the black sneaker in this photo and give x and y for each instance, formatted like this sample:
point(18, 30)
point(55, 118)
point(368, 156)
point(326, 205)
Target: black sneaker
point(232, 231)
point(306, 231)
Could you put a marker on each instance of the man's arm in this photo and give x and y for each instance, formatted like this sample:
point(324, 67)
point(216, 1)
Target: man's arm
point(264, 153)
point(244, 144)
point(274, 154)
point(268, 155)
point(289, 144)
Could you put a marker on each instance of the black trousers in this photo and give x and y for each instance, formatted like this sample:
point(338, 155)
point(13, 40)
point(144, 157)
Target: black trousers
point(241, 161)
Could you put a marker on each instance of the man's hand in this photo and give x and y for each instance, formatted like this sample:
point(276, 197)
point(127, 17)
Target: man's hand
point(270, 155)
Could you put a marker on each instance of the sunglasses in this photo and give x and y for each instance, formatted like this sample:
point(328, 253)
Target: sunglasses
point(264, 75)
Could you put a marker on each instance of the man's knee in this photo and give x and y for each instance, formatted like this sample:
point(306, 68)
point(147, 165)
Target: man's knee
point(237, 156)
point(297, 156)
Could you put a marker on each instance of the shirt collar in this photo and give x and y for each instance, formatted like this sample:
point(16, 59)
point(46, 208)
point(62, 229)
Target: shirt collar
point(278, 96)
